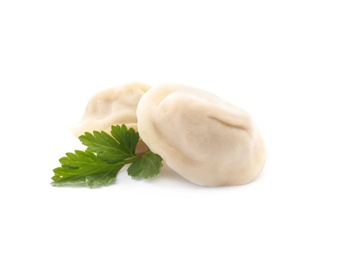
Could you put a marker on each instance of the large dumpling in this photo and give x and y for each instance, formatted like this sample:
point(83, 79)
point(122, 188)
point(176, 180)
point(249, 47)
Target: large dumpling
point(202, 137)
point(114, 106)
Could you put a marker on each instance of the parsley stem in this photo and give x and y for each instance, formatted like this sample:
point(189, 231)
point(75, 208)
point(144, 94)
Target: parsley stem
point(129, 160)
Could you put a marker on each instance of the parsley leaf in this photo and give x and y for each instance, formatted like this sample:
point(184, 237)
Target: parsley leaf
point(121, 145)
point(127, 138)
point(104, 157)
point(146, 166)
point(83, 166)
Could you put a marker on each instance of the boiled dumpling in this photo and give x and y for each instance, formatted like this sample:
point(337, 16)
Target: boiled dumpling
point(200, 136)
point(114, 106)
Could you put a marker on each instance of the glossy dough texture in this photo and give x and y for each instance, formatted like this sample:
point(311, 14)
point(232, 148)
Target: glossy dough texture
point(202, 137)
point(114, 106)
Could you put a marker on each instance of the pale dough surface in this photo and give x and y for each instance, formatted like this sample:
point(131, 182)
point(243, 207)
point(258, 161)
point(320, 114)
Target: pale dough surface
point(113, 106)
point(202, 137)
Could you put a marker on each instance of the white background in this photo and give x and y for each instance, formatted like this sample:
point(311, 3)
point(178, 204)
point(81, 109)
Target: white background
point(279, 60)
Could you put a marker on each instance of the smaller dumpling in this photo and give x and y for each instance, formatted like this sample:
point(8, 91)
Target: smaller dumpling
point(200, 136)
point(114, 106)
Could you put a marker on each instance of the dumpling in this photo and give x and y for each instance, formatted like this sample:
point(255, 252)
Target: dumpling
point(200, 136)
point(114, 106)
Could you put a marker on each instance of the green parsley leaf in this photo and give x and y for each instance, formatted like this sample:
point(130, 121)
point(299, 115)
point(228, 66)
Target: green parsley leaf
point(127, 138)
point(146, 166)
point(121, 145)
point(83, 166)
point(104, 157)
